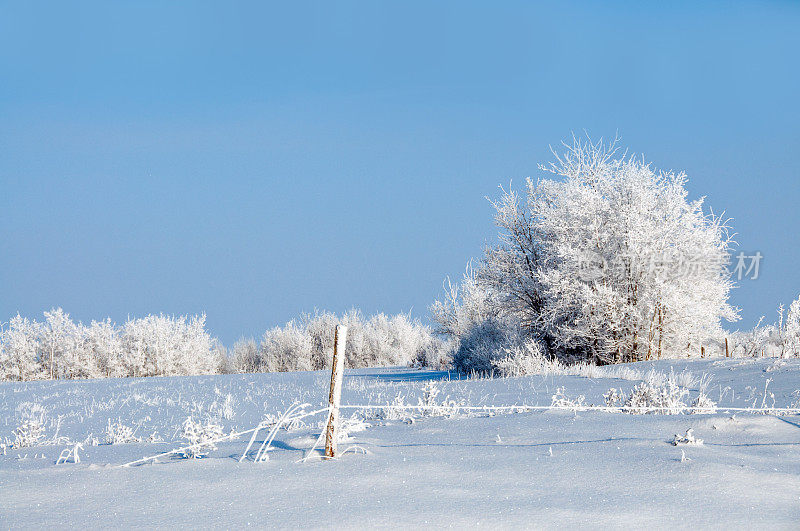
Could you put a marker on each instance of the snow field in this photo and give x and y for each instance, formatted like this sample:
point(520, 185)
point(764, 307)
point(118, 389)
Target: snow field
point(434, 468)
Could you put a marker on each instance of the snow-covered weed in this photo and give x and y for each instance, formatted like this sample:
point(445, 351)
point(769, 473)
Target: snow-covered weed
point(200, 437)
point(647, 397)
point(434, 407)
point(119, 433)
point(354, 424)
point(796, 402)
point(704, 404)
point(561, 400)
point(29, 433)
point(223, 408)
point(687, 440)
point(614, 397)
point(524, 360)
point(396, 410)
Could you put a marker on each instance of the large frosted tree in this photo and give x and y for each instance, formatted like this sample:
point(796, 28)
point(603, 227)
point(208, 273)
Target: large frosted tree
point(609, 260)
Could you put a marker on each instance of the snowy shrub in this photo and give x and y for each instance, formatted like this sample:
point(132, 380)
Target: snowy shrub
point(561, 400)
point(703, 404)
point(245, 356)
point(307, 344)
point(19, 350)
point(483, 346)
point(224, 408)
point(286, 349)
point(201, 437)
point(434, 354)
point(781, 339)
point(435, 407)
point(614, 397)
point(160, 345)
point(29, 433)
point(465, 306)
point(119, 433)
point(667, 399)
point(522, 360)
point(347, 426)
point(397, 410)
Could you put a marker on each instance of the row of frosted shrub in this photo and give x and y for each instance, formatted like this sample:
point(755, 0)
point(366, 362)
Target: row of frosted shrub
point(155, 345)
point(307, 344)
point(162, 345)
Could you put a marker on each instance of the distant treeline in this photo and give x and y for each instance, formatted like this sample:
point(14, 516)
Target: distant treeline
point(162, 345)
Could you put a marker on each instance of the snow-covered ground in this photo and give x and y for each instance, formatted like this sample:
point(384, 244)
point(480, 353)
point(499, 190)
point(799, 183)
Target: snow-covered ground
point(526, 469)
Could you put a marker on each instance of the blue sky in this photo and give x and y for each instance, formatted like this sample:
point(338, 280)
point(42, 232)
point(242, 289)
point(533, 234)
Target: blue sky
point(255, 160)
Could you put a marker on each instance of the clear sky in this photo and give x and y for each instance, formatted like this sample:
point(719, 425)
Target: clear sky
point(254, 160)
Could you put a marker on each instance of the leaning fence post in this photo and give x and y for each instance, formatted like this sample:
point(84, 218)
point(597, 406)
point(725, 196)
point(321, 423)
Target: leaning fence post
point(335, 397)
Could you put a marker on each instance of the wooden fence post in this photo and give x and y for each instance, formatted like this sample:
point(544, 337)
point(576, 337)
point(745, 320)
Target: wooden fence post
point(335, 397)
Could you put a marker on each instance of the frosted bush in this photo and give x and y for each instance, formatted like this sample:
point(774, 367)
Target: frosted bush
point(286, 349)
point(224, 408)
point(245, 356)
point(347, 426)
point(201, 437)
point(434, 354)
point(483, 346)
point(522, 360)
point(685, 378)
point(703, 404)
point(614, 397)
point(561, 400)
point(433, 405)
point(665, 399)
point(119, 433)
point(29, 433)
point(397, 410)
point(307, 344)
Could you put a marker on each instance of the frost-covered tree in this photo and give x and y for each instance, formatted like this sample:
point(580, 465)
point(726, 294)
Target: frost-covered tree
point(792, 333)
point(307, 344)
point(475, 316)
point(105, 345)
point(19, 346)
point(160, 345)
point(609, 261)
point(465, 306)
point(286, 349)
point(244, 357)
point(59, 337)
point(149, 346)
